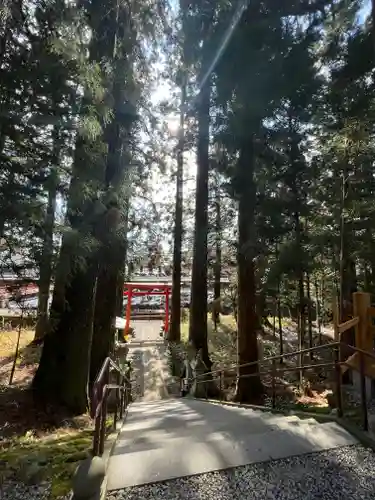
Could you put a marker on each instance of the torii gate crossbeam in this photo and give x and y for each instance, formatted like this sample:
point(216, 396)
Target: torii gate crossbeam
point(142, 289)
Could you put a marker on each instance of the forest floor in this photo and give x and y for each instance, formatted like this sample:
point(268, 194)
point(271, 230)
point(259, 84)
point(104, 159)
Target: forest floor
point(317, 383)
point(39, 448)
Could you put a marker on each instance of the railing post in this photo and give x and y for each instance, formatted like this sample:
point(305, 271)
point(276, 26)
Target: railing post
point(122, 396)
point(127, 393)
point(363, 391)
point(361, 303)
point(338, 382)
point(94, 400)
point(117, 400)
point(99, 403)
point(103, 422)
point(96, 447)
point(273, 384)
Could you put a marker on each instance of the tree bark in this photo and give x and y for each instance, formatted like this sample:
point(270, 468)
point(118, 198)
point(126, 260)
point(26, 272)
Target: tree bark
point(248, 389)
point(281, 341)
point(45, 269)
point(63, 372)
point(348, 279)
point(318, 311)
point(106, 304)
point(301, 292)
point(217, 268)
point(198, 305)
point(113, 255)
point(62, 375)
point(309, 314)
point(175, 327)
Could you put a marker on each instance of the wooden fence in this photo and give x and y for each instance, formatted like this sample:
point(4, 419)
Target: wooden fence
point(363, 323)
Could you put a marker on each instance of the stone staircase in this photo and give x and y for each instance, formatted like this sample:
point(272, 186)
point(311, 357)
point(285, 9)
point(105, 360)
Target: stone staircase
point(171, 448)
point(166, 440)
point(151, 379)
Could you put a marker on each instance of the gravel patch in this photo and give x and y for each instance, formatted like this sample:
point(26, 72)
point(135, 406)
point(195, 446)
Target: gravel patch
point(12, 490)
point(339, 474)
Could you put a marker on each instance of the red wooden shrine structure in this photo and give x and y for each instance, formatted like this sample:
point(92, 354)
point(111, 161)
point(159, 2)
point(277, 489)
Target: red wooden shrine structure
point(142, 289)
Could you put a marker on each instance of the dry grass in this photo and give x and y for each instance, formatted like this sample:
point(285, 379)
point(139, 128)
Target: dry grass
point(8, 341)
point(27, 360)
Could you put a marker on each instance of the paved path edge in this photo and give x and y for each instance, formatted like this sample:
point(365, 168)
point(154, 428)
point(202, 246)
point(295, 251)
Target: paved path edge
point(363, 437)
point(109, 446)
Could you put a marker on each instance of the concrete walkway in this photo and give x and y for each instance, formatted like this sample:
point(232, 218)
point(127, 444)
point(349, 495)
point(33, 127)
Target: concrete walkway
point(175, 438)
point(148, 354)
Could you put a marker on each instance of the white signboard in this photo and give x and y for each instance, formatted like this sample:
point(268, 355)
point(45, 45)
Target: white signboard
point(120, 323)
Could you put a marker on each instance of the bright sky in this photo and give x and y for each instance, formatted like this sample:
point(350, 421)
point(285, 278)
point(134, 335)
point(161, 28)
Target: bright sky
point(163, 187)
point(365, 11)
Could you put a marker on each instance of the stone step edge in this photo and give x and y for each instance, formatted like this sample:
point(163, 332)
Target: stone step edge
point(319, 417)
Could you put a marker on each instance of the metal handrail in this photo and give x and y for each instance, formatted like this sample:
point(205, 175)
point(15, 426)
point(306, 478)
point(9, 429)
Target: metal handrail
point(99, 401)
point(108, 361)
point(104, 373)
point(274, 358)
point(361, 351)
point(273, 371)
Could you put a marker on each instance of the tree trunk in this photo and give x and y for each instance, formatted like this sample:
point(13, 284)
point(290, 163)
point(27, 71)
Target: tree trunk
point(309, 314)
point(318, 311)
point(62, 375)
point(63, 372)
point(112, 261)
point(45, 269)
point(217, 269)
point(175, 327)
point(301, 293)
point(121, 277)
point(113, 255)
point(281, 342)
point(248, 389)
point(348, 279)
point(198, 305)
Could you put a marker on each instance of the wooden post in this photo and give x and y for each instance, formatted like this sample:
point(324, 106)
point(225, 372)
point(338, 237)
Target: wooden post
point(364, 341)
point(128, 310)
point(166, 323)
point(336, 320)
point(361, 303)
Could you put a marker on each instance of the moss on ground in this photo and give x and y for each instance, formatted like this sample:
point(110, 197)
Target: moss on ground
point(37, 448)
point(311, 408)
point(51, 458)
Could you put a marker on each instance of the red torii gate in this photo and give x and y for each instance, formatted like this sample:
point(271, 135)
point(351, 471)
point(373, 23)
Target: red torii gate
point(141, 289)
